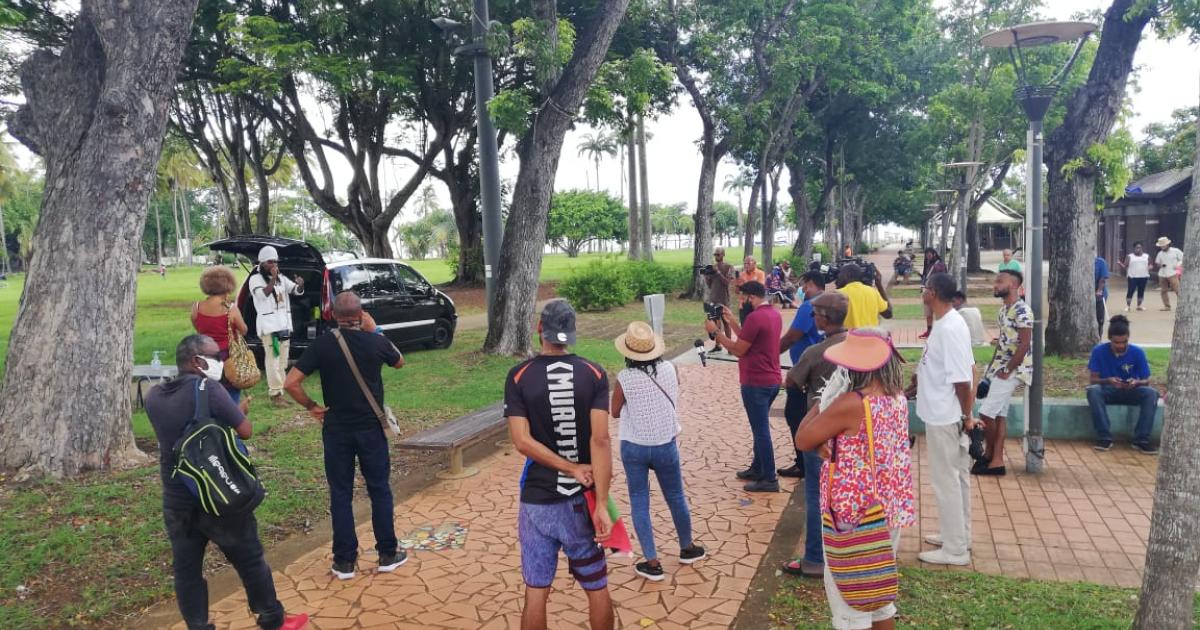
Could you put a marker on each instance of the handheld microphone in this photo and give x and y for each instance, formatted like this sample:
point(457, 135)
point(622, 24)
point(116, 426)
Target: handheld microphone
point(700, 351)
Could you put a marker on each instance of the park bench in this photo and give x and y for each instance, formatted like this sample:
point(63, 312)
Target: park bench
point(457, 435)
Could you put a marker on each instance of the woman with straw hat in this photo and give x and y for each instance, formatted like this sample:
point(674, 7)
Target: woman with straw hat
point(644, 398)
point(861, 427)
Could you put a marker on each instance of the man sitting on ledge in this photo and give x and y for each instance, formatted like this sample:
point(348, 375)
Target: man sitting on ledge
point(1120, 375)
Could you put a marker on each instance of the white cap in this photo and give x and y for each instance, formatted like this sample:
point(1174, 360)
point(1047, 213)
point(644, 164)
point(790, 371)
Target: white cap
point(267, 253)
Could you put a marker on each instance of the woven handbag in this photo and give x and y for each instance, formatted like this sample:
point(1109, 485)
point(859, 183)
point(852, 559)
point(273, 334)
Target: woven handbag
point(861, 559)
point(241, 370)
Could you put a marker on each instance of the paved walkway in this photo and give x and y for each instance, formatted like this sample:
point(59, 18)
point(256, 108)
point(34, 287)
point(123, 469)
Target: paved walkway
point(479, 585)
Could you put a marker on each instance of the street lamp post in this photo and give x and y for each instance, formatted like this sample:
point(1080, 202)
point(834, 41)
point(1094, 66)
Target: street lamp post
point(966, 185)
point(489, 154)
point(945, 197)
point(1035, 100)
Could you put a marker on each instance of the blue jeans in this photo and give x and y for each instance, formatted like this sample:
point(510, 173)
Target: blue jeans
point(370, 448)
point(1145, 398)
point(664, 461)
point(757, 402)
point(795, 408)
point(814, 550)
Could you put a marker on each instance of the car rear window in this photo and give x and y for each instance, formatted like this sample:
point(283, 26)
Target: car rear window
point(350, 278)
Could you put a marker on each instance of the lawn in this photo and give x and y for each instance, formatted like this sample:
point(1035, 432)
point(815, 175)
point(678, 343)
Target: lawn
point(963, 600)
point(555, 267)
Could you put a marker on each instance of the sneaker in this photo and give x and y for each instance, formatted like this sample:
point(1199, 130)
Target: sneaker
point(652, 572)
point(762, 486)
point(278, 401)
point(389, 563)
point(692, 554)
point(1103, 445)
point(1145, 449)
point(939, 556)
point(1126, 308)
point(747, 475)
point(1141, 308)
point(794, 471)
point(343, 570)
point(294, 622)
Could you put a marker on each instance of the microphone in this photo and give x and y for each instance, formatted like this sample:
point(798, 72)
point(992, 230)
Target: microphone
point(700, 351)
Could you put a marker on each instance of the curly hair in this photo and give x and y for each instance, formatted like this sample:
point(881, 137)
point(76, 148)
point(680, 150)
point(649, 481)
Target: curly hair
point(217, 280)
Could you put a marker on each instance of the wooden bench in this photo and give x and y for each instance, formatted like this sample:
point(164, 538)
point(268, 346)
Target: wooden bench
point(458, 434)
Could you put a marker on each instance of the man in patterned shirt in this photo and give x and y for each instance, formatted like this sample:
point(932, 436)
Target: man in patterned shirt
point(1010, 366)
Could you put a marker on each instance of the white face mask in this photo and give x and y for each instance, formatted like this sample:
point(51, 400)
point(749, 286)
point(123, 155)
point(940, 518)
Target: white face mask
point(214, 370)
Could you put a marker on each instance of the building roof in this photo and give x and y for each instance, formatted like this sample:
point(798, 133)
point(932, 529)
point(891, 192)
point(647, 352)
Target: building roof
point(993, 211)
point(1159, 185)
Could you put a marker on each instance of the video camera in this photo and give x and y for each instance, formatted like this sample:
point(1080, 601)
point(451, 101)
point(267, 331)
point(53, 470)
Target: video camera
point(830, 270)
point(706, 270)
point(713, 312)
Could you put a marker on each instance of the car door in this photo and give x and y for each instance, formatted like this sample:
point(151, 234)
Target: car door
point(389, 299)
point(358, 278)
point(422, 309)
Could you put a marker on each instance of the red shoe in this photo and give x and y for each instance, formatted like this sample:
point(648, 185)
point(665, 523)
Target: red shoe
point(924, 335)
point(294, 622)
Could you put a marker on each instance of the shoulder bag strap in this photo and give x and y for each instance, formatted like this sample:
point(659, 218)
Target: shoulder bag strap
point(337, 334)
point(660, 388)
point(871, 445)
point(202, 412)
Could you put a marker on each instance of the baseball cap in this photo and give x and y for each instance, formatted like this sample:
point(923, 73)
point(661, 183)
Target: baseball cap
point(558, 322)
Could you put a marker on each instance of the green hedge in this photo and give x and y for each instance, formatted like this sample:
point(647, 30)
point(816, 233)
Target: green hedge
point(603, 284)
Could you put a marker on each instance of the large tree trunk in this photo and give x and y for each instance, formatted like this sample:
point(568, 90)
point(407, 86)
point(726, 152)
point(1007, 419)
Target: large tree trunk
point(804, 220)
point(635, 223)
point(1071, 213)
point(1173, 554)
point(768, 224)
point(97, 114)
point(644, 184)
point(463, 184)
point(752, 210)
point(702, 244)
point(509, 329)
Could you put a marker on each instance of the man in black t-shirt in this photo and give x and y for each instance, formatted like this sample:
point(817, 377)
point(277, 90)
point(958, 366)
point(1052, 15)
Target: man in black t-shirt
point(556, 404)
point(350, 430)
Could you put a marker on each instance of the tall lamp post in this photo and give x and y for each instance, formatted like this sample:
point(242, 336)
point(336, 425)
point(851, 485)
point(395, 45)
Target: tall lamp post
point(1035, 100)
point(966, 185)
point(945, 197)
point(489, 153)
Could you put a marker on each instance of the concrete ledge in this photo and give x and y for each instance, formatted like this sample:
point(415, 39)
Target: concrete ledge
point(1064, 419)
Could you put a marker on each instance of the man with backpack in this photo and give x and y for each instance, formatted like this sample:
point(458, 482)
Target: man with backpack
point(352, 429)
point(196, 404)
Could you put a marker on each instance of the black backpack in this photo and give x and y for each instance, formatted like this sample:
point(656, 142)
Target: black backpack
point(214, 464)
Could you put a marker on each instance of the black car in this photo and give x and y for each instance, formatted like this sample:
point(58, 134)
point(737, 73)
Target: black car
point(405, 306)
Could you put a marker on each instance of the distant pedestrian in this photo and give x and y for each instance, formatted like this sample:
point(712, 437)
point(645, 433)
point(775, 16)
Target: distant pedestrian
point(1009, 263)
point(1011, 366)
point(1101, 276)
point(933, 264)
point(162, 271)
point(1168, 262)
point(557, 409)
point(750, 273)
point(867, 302)
point(757, 350)
point(972, 316)
point(171, 407)
point(645, 398)
point(215, 316)
point(1120, 375)
point(944, 384)
point(1137, 274)
point(718, 283)
point(352, 430)
point(271, 292)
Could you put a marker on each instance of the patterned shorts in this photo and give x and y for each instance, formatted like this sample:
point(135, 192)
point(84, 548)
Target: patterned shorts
point(544, 529)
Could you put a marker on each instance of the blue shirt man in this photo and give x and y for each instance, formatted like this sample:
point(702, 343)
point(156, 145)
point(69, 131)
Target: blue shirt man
point(1101, 275)
point(1120, 375)
point(802, 334)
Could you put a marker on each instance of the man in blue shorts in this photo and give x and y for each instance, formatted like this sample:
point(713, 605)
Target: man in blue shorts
point(556, 404)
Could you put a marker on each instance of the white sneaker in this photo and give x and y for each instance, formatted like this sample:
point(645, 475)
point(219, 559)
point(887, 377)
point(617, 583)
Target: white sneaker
point(936, 540)
point(1126, 308)
point(939, 556)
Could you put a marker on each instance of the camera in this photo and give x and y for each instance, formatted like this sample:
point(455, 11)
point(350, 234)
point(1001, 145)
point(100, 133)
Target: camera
point(713, 312)
point(706, 270)
point(830, 270)
point(976, 449)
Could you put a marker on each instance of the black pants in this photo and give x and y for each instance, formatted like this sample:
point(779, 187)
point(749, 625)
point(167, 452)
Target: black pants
point(1139, 285)
point(1100, 315)
point(370, 448)
point(794, 409)
point(190, 530)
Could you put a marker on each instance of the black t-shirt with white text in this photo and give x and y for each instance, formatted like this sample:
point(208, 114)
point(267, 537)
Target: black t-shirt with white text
point(557, 394)
point(349, 410)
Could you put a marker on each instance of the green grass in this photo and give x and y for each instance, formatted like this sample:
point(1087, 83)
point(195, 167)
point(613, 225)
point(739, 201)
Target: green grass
point(988, 312)
point(963, 600)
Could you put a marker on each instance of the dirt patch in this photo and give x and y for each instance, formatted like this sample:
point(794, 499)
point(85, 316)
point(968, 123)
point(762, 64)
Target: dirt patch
point(474, 299)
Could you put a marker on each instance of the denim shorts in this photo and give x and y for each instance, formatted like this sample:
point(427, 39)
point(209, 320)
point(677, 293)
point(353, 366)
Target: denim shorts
point(543, 529)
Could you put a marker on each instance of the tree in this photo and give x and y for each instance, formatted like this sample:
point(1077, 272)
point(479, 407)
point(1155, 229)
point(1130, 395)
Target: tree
point(562, 89)
point(726, 220)
point(1168, 145)
point(578, 217)
point(736, 183)
point(1091, 112)
point(96, 112)
point(597, 146)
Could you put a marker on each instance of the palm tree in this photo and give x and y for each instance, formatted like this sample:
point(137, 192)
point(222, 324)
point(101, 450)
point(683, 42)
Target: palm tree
point(735, 184)
point(596, 146)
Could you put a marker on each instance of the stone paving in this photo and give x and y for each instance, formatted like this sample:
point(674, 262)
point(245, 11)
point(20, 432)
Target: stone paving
point(479, 585)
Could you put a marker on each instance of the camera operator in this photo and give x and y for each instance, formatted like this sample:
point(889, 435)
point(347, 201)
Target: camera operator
point(757, 349)
point(867, 303)
point(717, 282)
point(270, 291)
point(750, 273)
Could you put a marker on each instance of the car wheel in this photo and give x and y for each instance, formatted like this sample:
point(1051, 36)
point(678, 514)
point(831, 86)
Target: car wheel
point(443, 335)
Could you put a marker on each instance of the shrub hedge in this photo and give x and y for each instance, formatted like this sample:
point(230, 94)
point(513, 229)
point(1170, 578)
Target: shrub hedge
point(604, 284)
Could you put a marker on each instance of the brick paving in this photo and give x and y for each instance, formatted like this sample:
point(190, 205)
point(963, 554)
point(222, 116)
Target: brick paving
point(479, 585)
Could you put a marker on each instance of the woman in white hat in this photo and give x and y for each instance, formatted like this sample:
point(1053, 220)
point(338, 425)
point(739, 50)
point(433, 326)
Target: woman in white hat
point(644, 398)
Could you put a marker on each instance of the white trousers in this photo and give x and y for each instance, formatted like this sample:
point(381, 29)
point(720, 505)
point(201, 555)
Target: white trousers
point(950, 476)
point(276, 365)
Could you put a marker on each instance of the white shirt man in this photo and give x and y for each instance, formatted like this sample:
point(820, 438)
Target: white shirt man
point(944, 381)
point(1168, 261)
point(274, 321)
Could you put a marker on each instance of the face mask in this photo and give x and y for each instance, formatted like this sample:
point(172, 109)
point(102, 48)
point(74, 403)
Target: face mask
point(214, 370)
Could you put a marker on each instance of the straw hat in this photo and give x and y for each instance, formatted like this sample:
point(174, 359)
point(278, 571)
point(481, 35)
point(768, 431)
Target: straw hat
point(863, 350)
point(1162, 241)
point(640, 343)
